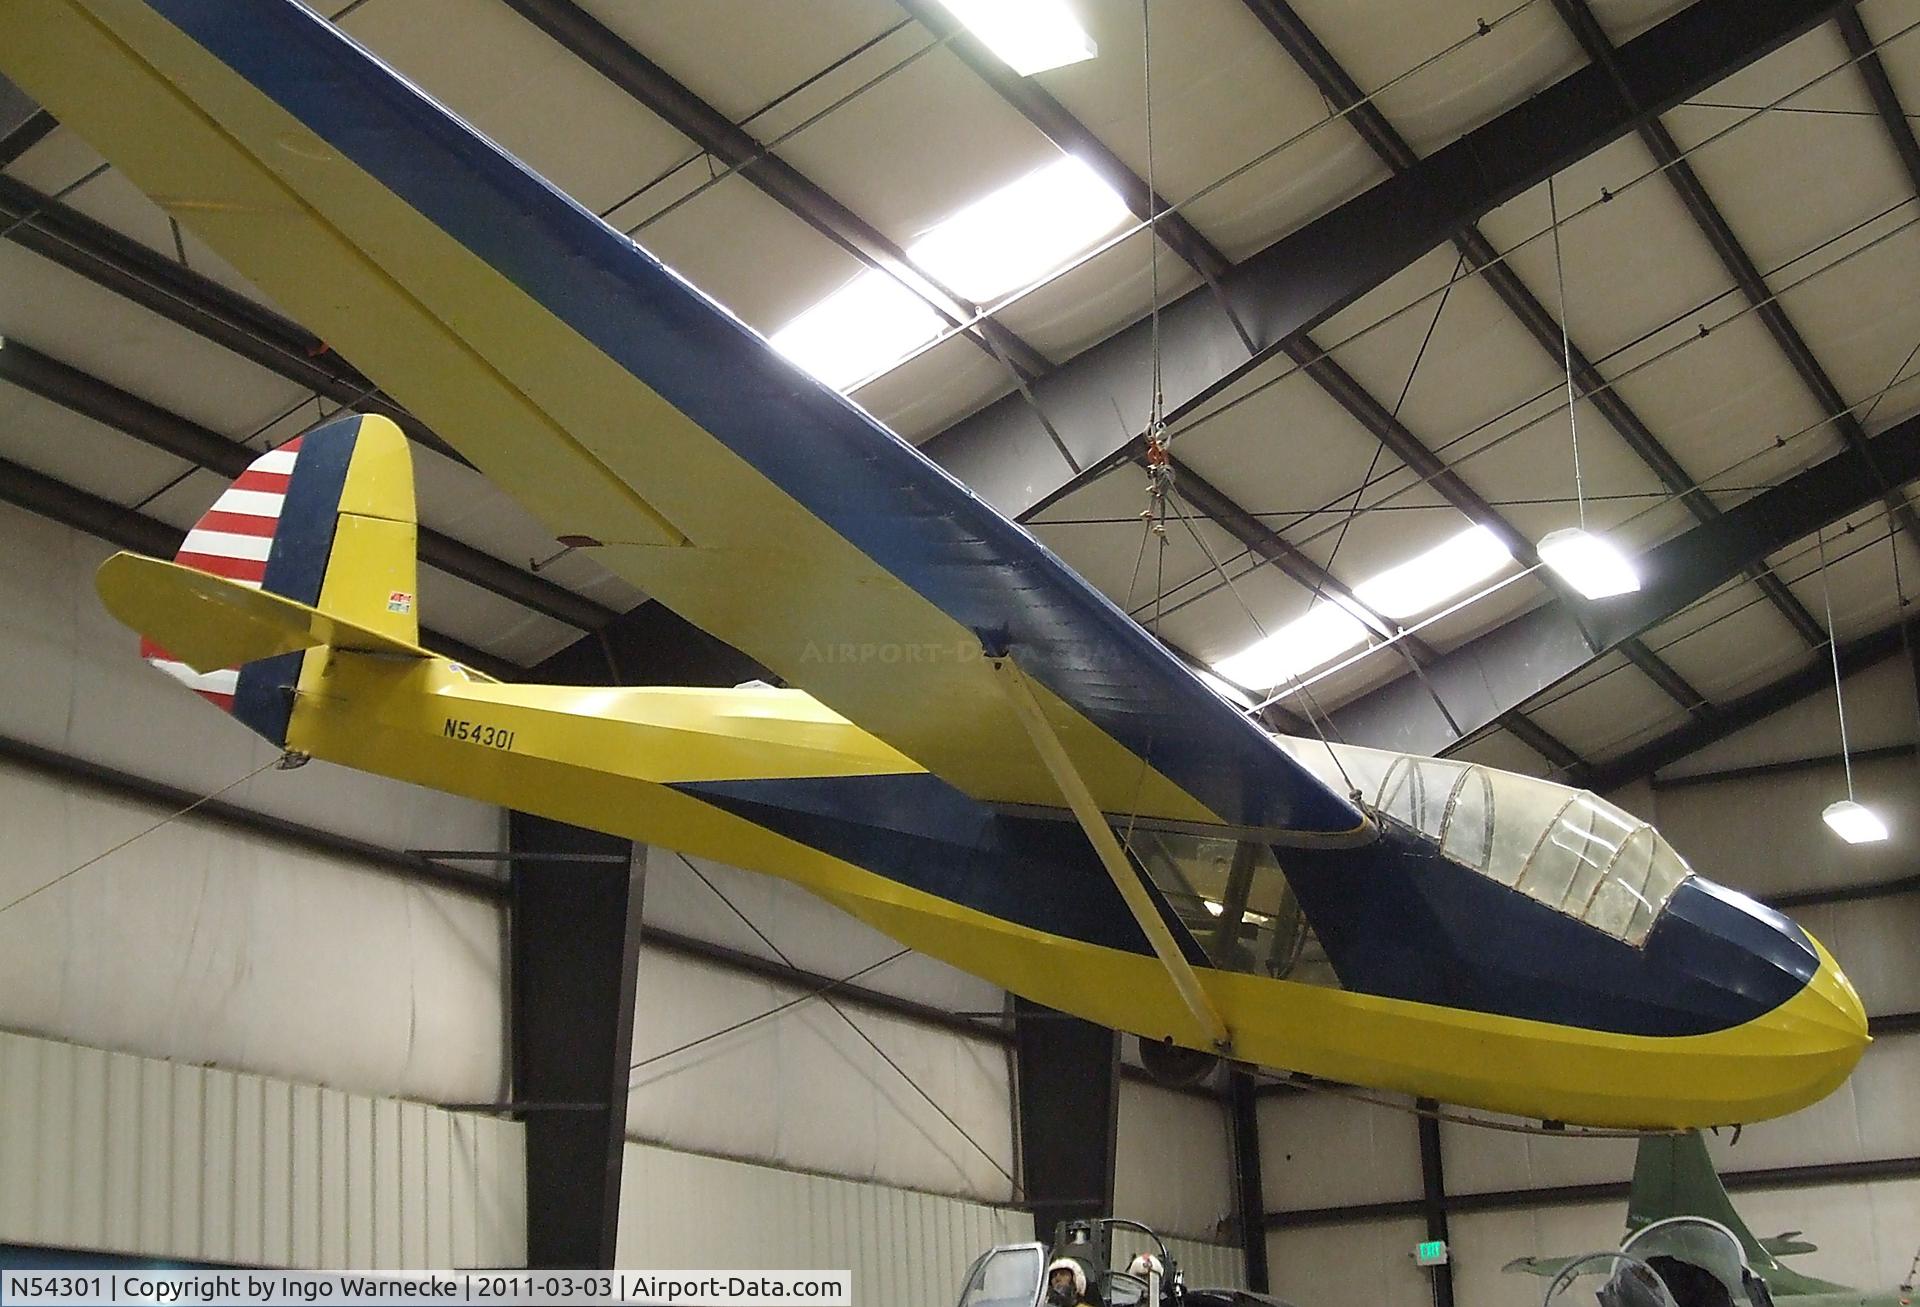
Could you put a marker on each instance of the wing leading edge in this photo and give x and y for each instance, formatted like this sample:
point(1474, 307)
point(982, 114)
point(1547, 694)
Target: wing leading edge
point(618, 402)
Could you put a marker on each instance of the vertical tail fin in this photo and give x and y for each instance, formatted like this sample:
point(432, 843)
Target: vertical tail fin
point(1674, 1176)
point(327, 520)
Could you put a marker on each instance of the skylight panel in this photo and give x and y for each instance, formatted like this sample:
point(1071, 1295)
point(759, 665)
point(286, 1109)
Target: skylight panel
point(1029, 36)
point(1008, 239)
point(860, 330)
point(1021, 232)
point(1428, 580)
point(1322, 635)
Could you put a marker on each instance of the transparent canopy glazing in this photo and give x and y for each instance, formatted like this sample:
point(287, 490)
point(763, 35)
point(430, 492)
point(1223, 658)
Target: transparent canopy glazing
point(1569, 849)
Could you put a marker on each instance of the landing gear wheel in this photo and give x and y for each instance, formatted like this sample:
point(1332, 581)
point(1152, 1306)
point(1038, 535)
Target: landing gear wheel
point(1176, 1067)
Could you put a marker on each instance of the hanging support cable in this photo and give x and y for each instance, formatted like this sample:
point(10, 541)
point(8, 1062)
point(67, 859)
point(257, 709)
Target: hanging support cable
point(1073, 788)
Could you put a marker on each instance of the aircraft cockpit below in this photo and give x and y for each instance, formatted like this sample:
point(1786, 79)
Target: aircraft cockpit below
point(1116, 1263)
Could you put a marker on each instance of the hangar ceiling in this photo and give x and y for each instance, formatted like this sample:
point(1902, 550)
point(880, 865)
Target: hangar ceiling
point(1362, 293)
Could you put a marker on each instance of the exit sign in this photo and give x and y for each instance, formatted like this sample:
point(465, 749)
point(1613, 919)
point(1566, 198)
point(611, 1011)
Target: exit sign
point(1433, 1252)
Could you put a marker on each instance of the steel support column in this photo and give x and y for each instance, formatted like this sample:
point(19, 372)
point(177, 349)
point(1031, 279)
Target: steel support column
point(1433, 1199)
point(1250, 1204)
point(1066, 1114)
point(574, 929)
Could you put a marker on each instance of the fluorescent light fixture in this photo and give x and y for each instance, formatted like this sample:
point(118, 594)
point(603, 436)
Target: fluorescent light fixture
point(1021, 232)
point(1855, 823)
point(1589, 563)
point(1323, 634)
point(1214, 908)
point(861, 329)
point(1436, 576)
point(1030, 36)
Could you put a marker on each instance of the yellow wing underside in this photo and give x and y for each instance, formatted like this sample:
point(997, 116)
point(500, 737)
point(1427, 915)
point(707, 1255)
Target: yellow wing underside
point(574, 436)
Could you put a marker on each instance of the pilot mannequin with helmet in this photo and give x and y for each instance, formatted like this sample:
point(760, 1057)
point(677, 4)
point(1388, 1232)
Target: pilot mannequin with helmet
point(1067, 1284)
point(1151, 1273)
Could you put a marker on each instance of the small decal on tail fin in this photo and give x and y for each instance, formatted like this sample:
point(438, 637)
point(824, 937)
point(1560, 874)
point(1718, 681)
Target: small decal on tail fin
point(399, 602)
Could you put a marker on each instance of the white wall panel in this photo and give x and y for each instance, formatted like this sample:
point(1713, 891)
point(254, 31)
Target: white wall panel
point(1317, 1150)
point(1210, 1265)
point(1865, 1235)
point(905, 1249)
point(1880, 710)
point(812, 932)
point(1483, 1242)
point(802, 1090)
point(1877, 943)
point(1478, 1160)
point(1364, 1264)
point(136, 1155)
point(1875, 1114)
point(203, 944)
point(70, 679)
point(1763, 834)
point(1174, 1166)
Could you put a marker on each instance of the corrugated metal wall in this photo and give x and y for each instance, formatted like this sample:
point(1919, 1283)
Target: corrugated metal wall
point(136, 1155)
point(1174, 1170)
point(196, 942)
point(905, 1249)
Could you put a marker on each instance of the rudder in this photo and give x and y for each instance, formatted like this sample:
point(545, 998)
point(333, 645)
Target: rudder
point(326, 520)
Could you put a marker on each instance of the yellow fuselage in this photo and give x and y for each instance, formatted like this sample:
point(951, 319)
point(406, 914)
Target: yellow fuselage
point(609, 759)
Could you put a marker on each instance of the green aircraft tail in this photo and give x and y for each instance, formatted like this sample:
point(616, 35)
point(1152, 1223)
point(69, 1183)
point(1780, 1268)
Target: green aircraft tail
point(1673, 1176)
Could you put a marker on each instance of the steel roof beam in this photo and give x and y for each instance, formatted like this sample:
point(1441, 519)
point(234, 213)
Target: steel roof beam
point(1502, 669)
point(1094, 401)
point(1387, 429)
point(136, 273)
point(602, 50)
point(59, 502)
point(184, 439)
point(1332, 80)
point(1880, 90)
point(1855, 655)
point(1740, 266)
point(24, 135)
point(1264, 542)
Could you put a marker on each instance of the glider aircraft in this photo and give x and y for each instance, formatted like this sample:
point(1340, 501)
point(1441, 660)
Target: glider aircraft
point(982, 756)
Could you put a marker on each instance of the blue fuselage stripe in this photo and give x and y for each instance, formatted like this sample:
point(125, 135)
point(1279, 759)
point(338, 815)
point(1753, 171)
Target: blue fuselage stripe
point(1396, 919)
point(877, 492)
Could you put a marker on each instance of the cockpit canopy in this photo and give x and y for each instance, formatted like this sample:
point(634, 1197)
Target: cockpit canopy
point(1569, 849)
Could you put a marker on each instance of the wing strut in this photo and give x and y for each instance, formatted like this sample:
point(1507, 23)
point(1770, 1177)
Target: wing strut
point(1027, 708)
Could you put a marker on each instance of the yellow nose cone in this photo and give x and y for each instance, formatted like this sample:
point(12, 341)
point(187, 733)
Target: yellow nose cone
point(1828, 1023)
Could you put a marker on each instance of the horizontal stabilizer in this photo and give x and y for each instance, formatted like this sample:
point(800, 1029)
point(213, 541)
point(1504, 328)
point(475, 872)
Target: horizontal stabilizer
point(209, 622)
